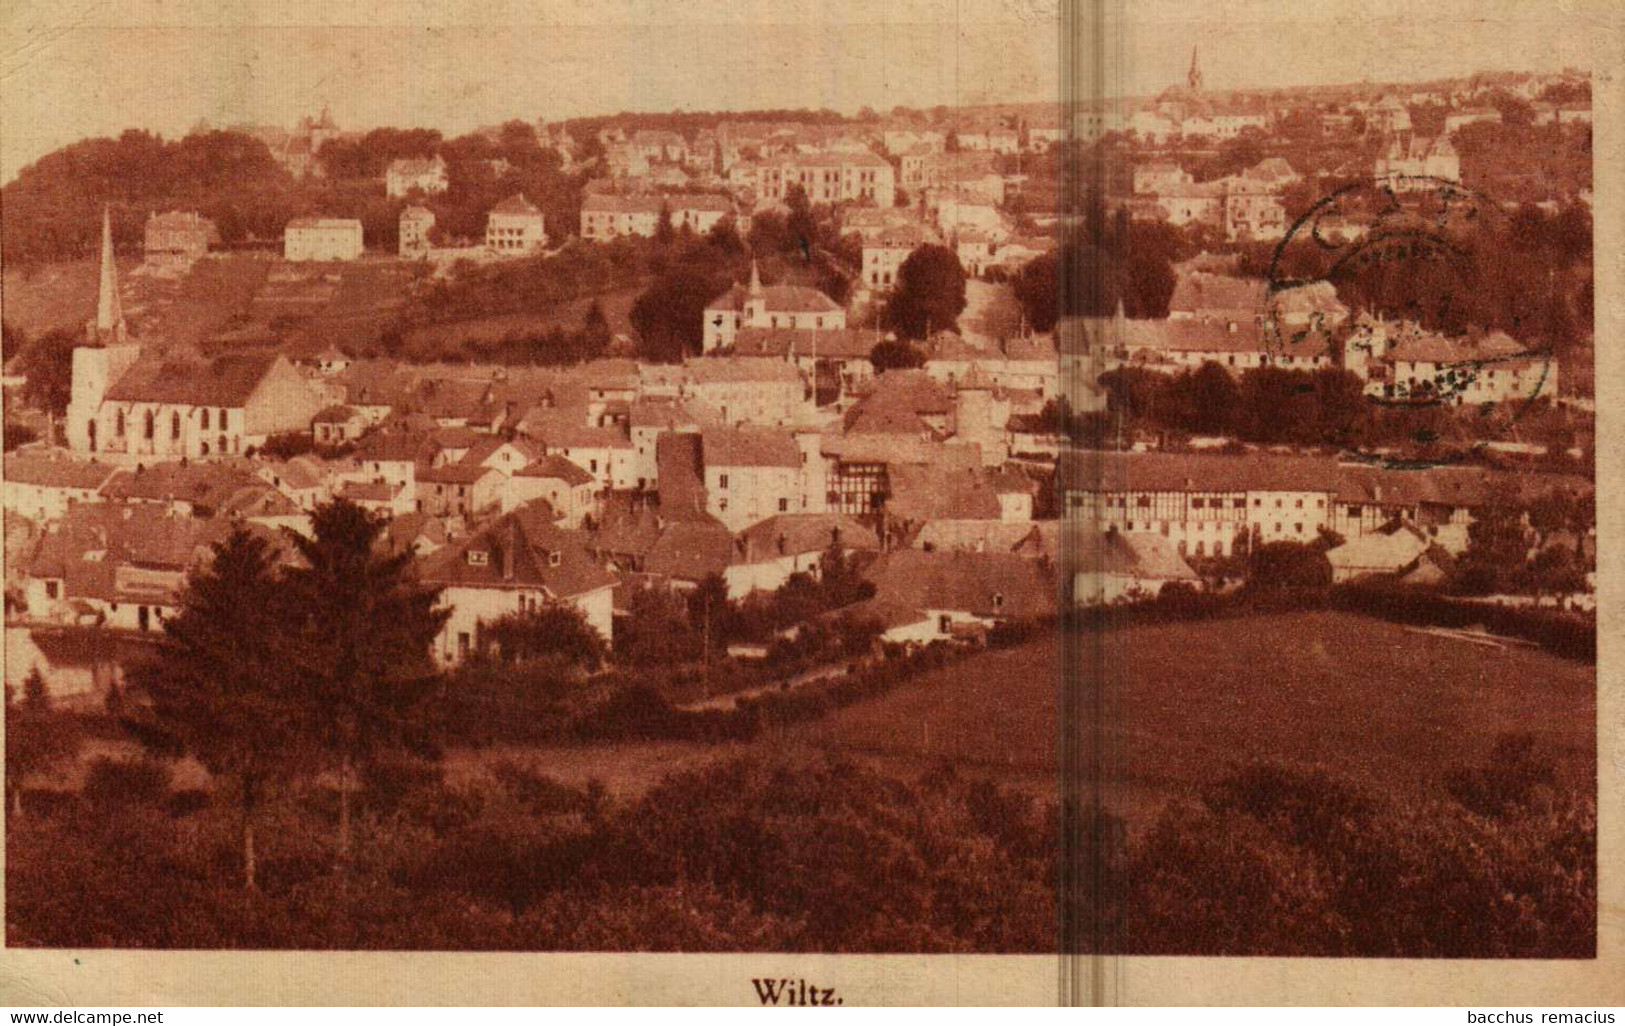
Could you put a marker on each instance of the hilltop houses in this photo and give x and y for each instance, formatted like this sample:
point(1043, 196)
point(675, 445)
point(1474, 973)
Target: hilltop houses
point(514, 227)
point(176, 240)
point(322, 238)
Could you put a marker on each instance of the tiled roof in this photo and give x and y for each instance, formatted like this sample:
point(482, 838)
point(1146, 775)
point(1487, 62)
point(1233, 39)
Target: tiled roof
point(778, 299)
point(981, 583)
point(734, 369)
point(1182, 472)
point(833, 344)
point(556, 467)
point(518, 550)
point(690, 550)
point(793, 534)
point(226, 381)
point(515, 204)
point(47, 472)
point(748, 447)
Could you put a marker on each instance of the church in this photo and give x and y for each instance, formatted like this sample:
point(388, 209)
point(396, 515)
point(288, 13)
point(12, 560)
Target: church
point(132, 405)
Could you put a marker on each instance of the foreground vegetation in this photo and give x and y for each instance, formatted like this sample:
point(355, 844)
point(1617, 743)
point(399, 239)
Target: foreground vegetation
point(785, 853)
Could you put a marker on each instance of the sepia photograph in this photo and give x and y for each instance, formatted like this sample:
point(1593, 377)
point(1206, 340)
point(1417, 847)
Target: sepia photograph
point(979, 478)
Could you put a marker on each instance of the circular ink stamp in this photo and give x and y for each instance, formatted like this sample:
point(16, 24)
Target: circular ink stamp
point(1403, 246)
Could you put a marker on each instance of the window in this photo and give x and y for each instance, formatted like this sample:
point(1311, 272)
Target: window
point(1298, 528)
point(722, 480)
point(1300, 504)
point(478, 557)
point(1277, 528)
point(150, 428)
point(1257, 503)
point(1196, 503)
point(1143, 502)
point(998, 600)
point(205, 414)
point(722, 505)
point(945, 624)
point(1239, 504)
point(1278, 503)
point(118, 425)
point(50, 589)
point(462, 644)
point(554, 558)
point(784, 505)
point(1201, 548)
point(175, 425)
point(222, 420)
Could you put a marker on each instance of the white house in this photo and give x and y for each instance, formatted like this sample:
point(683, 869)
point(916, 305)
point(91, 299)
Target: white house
point(322, 238)
point(521, 562)
point(515, 227)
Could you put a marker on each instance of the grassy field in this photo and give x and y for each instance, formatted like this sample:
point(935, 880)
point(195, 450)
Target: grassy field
point(1358, 697)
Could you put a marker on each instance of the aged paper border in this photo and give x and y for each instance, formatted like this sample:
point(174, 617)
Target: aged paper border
point(100, 977)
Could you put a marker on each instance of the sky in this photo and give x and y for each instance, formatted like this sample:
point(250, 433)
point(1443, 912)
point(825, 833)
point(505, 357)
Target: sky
point(76, 68)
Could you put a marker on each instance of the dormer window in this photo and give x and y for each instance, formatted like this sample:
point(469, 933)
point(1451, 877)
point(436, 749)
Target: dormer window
point(478, 557)
point(555, 558)
point(998, 600)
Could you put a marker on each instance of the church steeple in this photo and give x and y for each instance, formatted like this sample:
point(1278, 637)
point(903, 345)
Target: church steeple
point(109, 324)
point(755, 278)
point(1194, 78)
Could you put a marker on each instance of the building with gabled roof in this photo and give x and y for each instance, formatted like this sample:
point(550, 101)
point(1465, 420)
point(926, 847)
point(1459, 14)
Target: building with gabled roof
point(515, 227)
point(44, 487)
point(523, 561)
point(755, 305)
point(750, 473)
point(568, 489)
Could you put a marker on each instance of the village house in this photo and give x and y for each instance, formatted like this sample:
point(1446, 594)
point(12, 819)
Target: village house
point(383, 498)
point(520, 563)
point(751, 473)
point(456, 489)
point(1114, 567)
point(884, 255)
point(514, 227)
point(43, 488)
point(1406, 362)
point(921, 597)
point(414, 226)
point(322, 238)
point(569, 491)
point(771, 306)
point(767, 553)
point(337, 425)
point(746, 390)
point(837, 359)
point(426, 175)
point(176, 240)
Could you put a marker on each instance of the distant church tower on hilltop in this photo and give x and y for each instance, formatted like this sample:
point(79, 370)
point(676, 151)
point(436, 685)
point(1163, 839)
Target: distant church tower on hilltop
point(1193, 78)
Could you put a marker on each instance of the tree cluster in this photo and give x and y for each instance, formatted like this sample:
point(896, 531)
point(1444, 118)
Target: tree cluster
point(272, 671)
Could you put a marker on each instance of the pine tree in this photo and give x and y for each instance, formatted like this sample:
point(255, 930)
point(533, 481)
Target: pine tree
point(221, 688)
point(366, 629)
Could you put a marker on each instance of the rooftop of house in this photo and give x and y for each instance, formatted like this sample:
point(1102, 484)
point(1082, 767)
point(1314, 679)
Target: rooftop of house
point(516, 204)
point(53, 472)
point(524, 549)
point(716, 370)
point(777, 299)
point(556, 467)
point(748, 447)
point(992, 584)
point(794, 534)
point(826, 343)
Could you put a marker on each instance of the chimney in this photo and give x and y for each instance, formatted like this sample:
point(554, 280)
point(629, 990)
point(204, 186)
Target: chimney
point(508, 551)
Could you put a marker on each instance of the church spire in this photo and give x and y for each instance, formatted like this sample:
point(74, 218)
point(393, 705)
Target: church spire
point(109, 325)
point(755, 278)
point(1194, 78)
